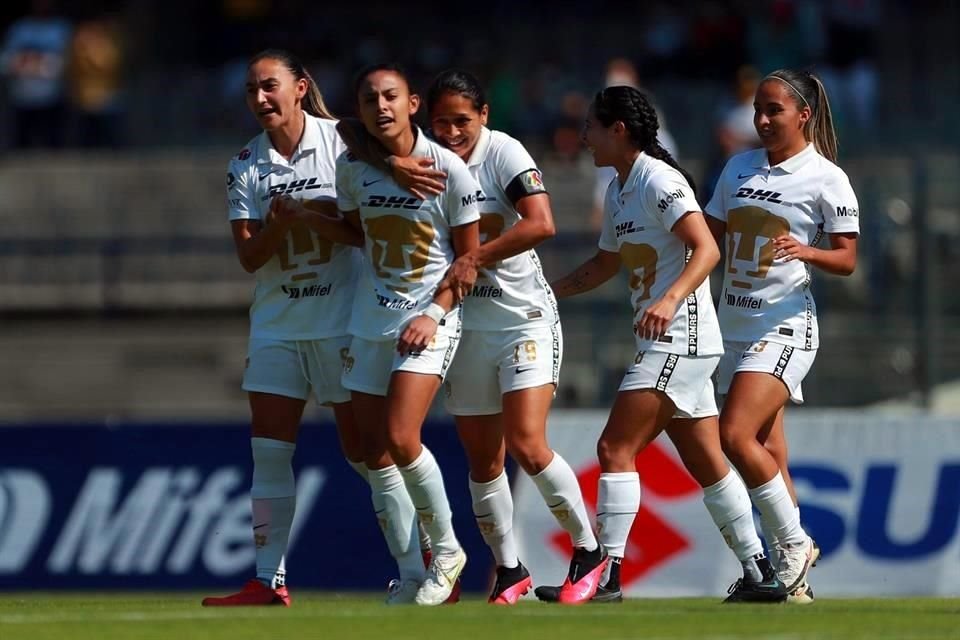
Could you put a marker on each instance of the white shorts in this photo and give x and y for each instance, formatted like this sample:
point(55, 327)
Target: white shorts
point(684, 379)
point(788, 364)
point(370, 363)
point(292, 367)
point(492, 363)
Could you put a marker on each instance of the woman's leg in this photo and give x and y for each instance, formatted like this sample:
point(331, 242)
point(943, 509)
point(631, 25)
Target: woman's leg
point(752, 405)
point(408, 401)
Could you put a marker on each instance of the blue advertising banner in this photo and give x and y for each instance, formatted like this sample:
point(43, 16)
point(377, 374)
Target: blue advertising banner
point(167, 506)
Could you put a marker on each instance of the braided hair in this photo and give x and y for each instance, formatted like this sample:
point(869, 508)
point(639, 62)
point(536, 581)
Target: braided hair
point(633, 109)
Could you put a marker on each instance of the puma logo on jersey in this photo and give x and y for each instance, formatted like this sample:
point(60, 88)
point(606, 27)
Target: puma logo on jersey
point(627, 227)
point(392, 202)
point(297, 185)
point(668, 199)
point(759, 194)
point(847, 212)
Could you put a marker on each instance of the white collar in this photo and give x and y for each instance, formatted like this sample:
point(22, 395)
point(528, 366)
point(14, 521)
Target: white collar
point(309, 142)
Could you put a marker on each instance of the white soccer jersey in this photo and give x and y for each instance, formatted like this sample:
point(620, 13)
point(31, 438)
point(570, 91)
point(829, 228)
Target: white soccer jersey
point(805, 196)
point(513, 293)
point(305, 291)
point(637, 223)
point(408, 242)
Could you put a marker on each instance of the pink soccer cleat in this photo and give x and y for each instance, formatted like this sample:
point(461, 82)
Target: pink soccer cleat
point(586, 571)
point(511, 585)
point(253, 594)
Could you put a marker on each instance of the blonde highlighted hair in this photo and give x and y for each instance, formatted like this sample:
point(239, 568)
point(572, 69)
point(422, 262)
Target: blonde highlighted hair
point(808, 91)
point(312, 102)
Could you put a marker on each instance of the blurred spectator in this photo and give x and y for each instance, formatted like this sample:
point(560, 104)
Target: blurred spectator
point(665, 36)
point(851, 71)
point(735, 130)
point(566, 135)
point(621, 71)
point(784, 34)
point(33, 60)
point(94, 78)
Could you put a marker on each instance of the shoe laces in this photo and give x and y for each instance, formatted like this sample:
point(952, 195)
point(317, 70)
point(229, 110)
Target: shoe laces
point(438, 568)
point(735, 586)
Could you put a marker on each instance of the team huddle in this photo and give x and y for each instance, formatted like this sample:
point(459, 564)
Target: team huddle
point(389, 263)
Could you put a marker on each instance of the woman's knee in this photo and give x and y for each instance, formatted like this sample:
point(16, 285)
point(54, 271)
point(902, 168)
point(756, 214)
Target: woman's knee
point(615, 456)
point(531, 453)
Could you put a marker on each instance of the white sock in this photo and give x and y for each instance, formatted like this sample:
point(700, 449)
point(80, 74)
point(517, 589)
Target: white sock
point(618, 501)
point(397, 519)
point(425, 485)
point(273, 496)
point(363, 472)
point(777, 512)
point(493, 509)
point(361, 469)
point(558, 486)
point(728, 503)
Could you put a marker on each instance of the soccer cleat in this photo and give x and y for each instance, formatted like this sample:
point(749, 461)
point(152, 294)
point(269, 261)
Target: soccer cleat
point(802, 595)
point(607, 594)
point(744, 590)
point(402, 591)
point(442, 576)
point(547, 593)
point(254, 593)
point(815, 552)
point(602, 596)
point(586, 570)
point(454, 598)
point(794, 563)
point(511, 585)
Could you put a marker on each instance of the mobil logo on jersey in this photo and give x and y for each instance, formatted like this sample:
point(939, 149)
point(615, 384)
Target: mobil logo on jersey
point(881, 495)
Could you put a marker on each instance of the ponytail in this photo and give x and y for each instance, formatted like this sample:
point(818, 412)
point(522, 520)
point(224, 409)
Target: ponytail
point(808, 91)
point(819, 129)
point(312, 101)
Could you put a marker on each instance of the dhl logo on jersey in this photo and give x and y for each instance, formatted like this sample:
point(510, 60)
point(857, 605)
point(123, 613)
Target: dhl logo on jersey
point(287, 188)
point(759, 194)
point(392, 202)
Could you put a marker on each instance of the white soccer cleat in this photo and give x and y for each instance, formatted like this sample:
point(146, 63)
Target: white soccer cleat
point(794, 563)
point(402, 591)
point(442, 575)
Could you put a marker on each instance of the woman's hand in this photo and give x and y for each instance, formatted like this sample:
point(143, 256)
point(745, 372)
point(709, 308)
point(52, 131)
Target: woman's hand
point(460, 277)
point(789, 248)
point(414, 173)
point(656, 319)
point(417, 336)
point(284, 210)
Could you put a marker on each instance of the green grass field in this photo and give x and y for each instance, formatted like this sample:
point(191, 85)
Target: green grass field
point(178, 616)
